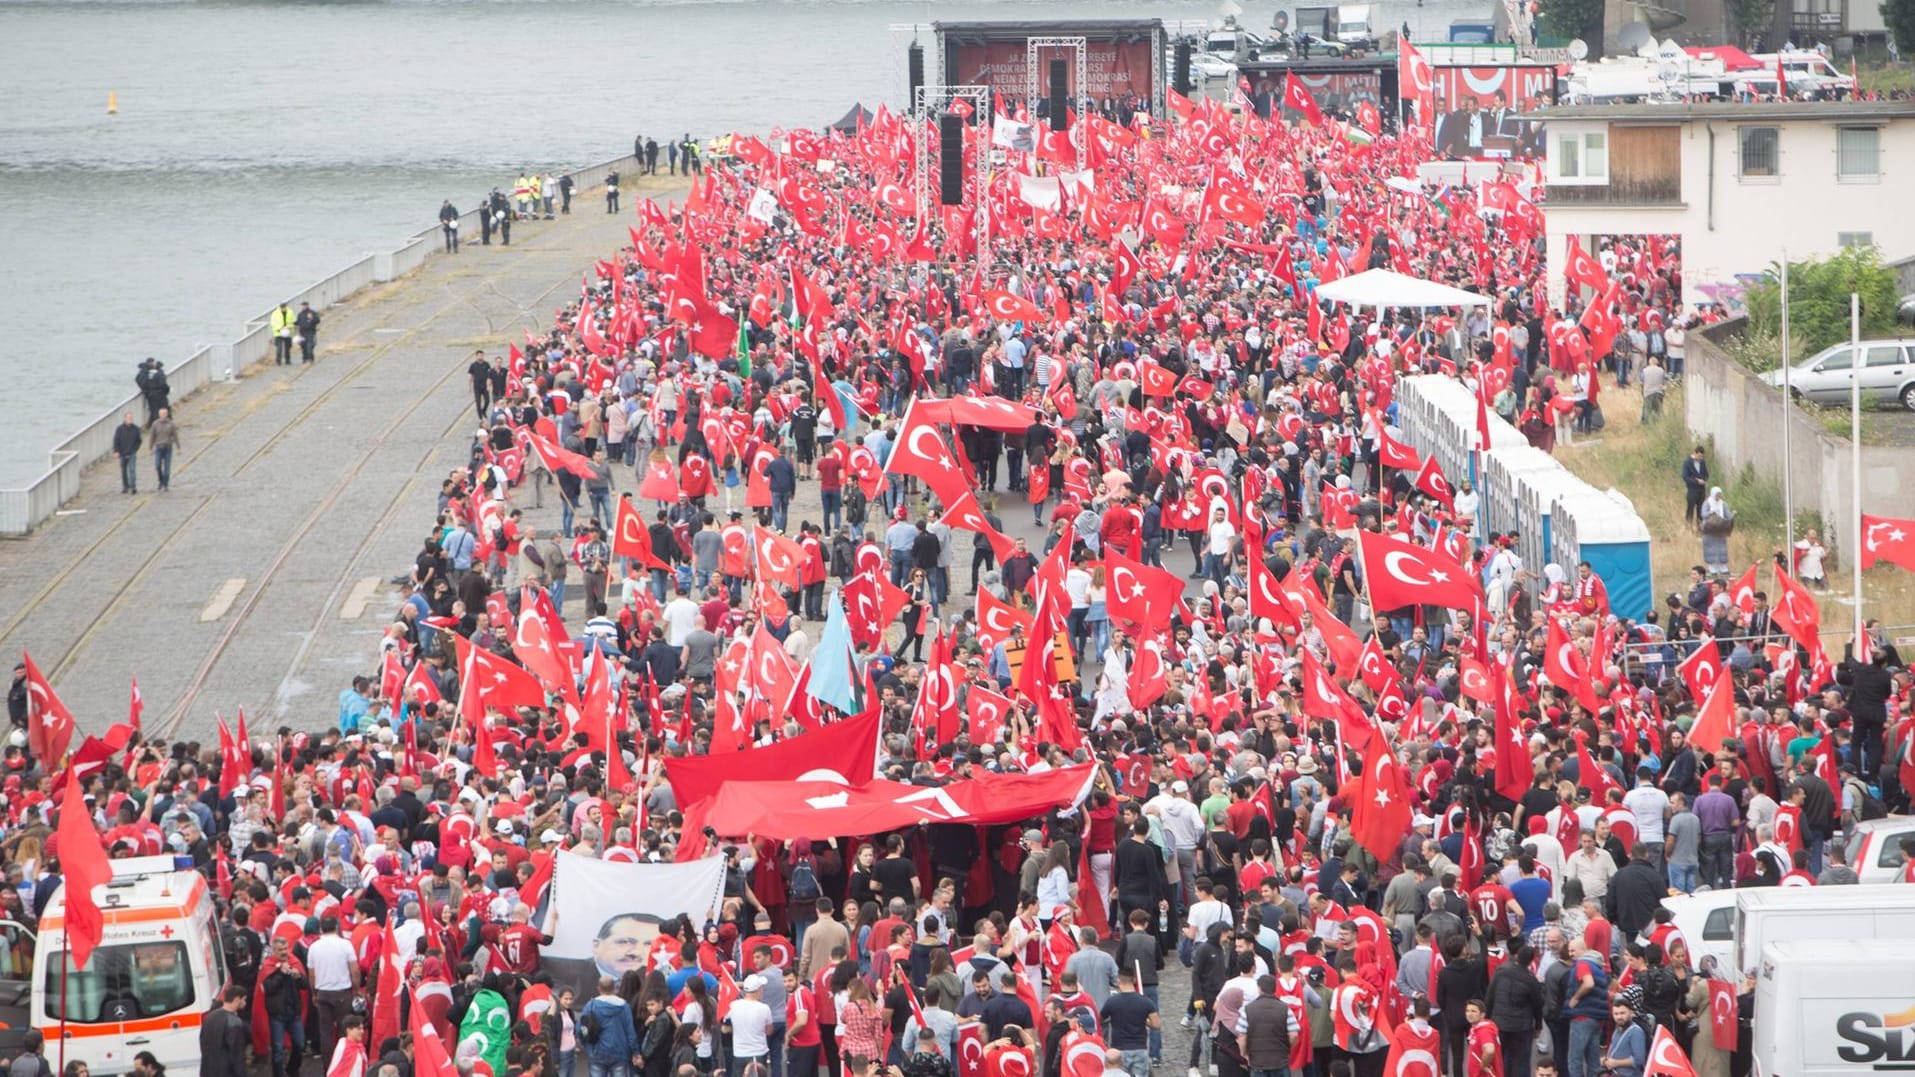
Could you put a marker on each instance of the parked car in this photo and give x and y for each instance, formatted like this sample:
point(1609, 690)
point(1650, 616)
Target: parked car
point(1874, 848)
point(1888, 374)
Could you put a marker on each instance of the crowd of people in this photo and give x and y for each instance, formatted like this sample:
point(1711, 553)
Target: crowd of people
point(1384, 823)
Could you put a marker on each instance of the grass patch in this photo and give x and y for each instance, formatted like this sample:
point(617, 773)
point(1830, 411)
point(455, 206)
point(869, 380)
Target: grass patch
point(1644, 461)
point(1874, 71)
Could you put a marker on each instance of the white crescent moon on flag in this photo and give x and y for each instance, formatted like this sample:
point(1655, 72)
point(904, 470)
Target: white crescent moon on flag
point(1395, 558)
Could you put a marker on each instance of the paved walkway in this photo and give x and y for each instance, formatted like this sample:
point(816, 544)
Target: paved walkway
point(258, 580)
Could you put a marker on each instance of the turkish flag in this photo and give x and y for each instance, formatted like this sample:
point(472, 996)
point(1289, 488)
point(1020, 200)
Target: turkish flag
point(987, 711)
point(1006, 307)
point(1702, 669)
point(385, 999)
point(1788, 826)
point(1400, 574)
point(964, 513)
point(970, 1044)
point(1295, 96)
point(660, 484)
point(1414, 1050)
point(486, 680)
point(631, 538)
point(429, 1055)
point(1394, 454)
point(1716, 720)
point(1267, 599)
point(1583, 269)
point(533, 645)
point(1796, 612)
point(1381, 815)
point(1475, 681)
point(1666, 1058)
point(921, 452)
point(779, 558)
point(1563, 664)
point(770, 671)
point(1515, 771)
point(1149, 675)
point(1373, 667)
point(83, 858)
point(1324, 698)
point(1156, 380)
point(49, 724)
point(995, 618)
point(1592, 776)
point(1885, 539)
point(1723, 1023)
point(1743, 593)
point(1430, 480)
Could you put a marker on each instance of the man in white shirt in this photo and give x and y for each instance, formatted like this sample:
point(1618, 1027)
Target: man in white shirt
point(1650, 806)
point(1223, 539)
point(750, 1024)
point(680, 616)
point(335, 976)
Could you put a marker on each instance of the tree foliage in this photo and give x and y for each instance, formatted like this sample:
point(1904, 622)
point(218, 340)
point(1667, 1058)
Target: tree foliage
point(1819, 298)
point(1575, 18)
point(1751, 17)
point(1899, 16)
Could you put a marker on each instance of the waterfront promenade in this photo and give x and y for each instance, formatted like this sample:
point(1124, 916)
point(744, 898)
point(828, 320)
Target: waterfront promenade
point(259, 580)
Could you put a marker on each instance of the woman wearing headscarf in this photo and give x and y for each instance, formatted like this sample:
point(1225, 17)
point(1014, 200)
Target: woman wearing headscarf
point(1717, 523)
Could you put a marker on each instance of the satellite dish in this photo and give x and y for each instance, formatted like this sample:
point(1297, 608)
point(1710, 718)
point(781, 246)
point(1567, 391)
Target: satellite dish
point(1230, 9)
point(1281, 20)
point(1634, 35)
point(1579, 49)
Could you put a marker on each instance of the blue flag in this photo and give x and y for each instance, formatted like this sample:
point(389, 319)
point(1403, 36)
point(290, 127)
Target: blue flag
point(835, 678)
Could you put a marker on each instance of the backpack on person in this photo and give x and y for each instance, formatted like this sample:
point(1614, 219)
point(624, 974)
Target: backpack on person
point(803, 888)
point(1867, 805)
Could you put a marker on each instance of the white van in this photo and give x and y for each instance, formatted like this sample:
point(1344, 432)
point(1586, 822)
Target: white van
point(1707, 922)
point(1782, 914)
point(1834, 1008)
point(157, 971)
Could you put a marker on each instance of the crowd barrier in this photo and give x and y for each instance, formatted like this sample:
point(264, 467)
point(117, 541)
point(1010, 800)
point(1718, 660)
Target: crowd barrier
point(25, 507)
point(1557, 517)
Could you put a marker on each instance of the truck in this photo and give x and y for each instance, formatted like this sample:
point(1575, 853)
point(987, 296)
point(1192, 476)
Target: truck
point(1810, 74)
point(1733, 926)
point(1347, 25)
point(1827, 1007)
point(157, 970)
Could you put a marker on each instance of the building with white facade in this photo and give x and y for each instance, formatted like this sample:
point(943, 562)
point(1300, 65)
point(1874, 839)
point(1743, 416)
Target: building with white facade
point(1737, 182)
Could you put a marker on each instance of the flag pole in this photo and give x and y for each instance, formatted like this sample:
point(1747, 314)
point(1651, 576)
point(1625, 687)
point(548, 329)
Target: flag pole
point(1788, 483)
point(1855, 460)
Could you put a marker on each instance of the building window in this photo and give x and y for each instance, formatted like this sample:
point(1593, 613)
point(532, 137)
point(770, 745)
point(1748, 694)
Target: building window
point(1583, 156)
point(1761, 152)
point(1855, 239)
point(1858, 153)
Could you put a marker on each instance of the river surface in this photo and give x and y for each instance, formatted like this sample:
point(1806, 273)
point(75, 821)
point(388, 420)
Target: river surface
point(260, 147)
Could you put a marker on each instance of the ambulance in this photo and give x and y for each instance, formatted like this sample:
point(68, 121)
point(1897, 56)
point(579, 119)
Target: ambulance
point(158, 969)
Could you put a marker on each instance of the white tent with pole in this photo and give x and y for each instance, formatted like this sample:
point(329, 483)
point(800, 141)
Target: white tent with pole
point(1386, 288)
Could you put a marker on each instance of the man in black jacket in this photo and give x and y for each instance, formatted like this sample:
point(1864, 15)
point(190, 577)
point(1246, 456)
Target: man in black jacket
point(126, 444)
point(1635, 892)
point(1515, 1001)
point(1139, 873)
point(1869, 684)
point(223, 1036)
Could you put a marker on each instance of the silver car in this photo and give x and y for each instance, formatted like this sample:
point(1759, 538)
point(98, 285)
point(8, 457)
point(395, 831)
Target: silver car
point(1887, 374)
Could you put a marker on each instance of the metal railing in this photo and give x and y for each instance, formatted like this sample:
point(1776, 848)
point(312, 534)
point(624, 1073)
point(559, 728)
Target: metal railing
point(25, 507)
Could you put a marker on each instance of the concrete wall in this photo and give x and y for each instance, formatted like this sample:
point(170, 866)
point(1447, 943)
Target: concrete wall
point(1731, 225)
point(1727, 405)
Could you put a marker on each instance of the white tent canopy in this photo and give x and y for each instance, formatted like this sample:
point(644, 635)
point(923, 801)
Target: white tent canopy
point(1385, 288)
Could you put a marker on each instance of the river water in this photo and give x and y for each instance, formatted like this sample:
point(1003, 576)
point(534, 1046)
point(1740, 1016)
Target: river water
point(261, 146)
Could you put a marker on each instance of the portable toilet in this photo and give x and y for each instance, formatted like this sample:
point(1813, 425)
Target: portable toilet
point(1501, 510)
point(1536, 495)
point(1602, 528)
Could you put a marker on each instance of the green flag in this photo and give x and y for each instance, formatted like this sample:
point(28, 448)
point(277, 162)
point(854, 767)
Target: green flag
point(488, 1021)
point(744, 348)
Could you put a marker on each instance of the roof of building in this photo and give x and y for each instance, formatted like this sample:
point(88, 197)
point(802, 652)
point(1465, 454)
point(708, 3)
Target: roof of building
point(1018, 29)
point(1824, 111)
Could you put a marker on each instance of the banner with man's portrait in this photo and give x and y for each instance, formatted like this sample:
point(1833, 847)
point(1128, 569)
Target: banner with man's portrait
point(1480, 110)
point(605, 914)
